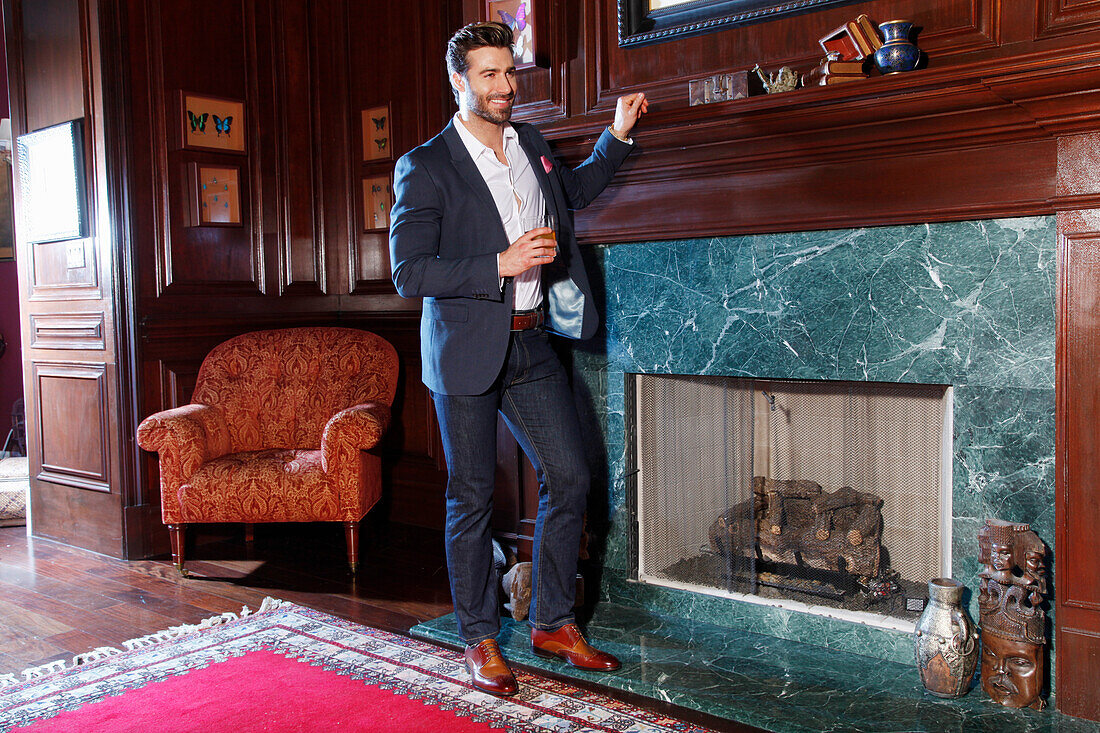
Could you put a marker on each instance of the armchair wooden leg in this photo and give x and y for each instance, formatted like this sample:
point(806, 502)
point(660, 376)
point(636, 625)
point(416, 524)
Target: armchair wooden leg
point(351, 532)
point(177, 532)
point(249, 532)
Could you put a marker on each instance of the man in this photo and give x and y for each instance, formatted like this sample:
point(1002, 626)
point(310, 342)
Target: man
point(491, 288)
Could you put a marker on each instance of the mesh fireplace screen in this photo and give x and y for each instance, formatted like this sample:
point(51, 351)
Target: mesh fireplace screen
point(823, 492)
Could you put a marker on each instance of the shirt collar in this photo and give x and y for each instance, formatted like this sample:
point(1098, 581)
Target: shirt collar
point(477, 148)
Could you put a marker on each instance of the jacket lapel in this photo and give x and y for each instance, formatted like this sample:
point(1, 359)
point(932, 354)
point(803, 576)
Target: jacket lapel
point(535, 159)
point(460, 156)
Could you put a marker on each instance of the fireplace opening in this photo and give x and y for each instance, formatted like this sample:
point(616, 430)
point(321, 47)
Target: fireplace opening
point(815, 495)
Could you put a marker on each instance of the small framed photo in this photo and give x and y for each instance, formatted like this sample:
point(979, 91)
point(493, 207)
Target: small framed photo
point(517, 15)
point(376, 133)
point(215, 195)
point(213, 123)
point(51, 181)
point(377, 202)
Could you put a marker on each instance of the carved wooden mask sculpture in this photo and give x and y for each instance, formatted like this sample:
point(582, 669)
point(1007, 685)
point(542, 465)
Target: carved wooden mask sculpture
point(1013, 623)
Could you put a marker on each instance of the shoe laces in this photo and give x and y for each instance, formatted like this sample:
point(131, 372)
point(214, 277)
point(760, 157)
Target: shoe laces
point(491, 650)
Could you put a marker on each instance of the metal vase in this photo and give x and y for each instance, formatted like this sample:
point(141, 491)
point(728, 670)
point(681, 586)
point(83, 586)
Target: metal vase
point(946, 641)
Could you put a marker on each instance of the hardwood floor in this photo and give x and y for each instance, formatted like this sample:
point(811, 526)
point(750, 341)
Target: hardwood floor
point(57, 601)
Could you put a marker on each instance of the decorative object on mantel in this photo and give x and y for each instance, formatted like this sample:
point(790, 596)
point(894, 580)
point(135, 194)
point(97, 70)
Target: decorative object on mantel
point(946, 641)
point(784, 80)
point(718, 88)
point(832, 70)
point(854, 41)
point(897, 53)
point(1013, 588)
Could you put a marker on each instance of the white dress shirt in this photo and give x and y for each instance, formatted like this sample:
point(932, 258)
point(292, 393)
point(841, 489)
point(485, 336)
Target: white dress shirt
point(516, 193)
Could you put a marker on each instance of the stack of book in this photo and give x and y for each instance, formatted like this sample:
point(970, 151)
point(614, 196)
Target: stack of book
point(855, 40)
point(848, 50)
point(832, 70)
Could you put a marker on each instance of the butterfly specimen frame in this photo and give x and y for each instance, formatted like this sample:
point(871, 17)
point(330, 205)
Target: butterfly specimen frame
point(519, 16)
point(377, 144)
point(213, 123)
point(215, 195)
point(377, 200)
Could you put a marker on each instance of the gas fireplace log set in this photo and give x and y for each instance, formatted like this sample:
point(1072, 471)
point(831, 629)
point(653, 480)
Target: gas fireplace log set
point(797, 523)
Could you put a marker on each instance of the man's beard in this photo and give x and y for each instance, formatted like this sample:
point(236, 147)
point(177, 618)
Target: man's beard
point(480, 106)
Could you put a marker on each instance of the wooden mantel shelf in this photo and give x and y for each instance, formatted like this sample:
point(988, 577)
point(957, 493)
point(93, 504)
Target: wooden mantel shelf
point(968, 141)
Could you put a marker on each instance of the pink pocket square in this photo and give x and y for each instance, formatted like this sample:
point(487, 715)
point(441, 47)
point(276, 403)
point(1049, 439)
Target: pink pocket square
point(546, 164)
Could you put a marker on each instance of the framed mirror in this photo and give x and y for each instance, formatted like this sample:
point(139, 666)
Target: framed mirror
point(642, 22)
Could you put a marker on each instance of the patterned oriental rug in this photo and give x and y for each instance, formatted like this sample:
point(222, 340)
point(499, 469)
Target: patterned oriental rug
point(289, 668)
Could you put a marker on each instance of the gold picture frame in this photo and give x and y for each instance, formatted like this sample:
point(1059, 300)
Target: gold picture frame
point(215, 195)
point(377, 140)
point(377, 202)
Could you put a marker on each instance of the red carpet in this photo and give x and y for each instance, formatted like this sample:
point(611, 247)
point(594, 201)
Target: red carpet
point(294, 669)
point(295, 695)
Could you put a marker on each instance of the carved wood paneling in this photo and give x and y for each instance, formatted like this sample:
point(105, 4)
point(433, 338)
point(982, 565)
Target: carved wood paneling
point(188, 54)
point(52, 62)
point(71, 415)
point(1063, 17)
point(297, 105)
point(1077, 456)
point(945, 30)
point(67, 331)
point(64, 270)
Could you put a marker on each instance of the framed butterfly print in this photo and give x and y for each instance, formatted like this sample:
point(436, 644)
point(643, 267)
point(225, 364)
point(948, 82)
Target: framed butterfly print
point(376, 133)
point(215, 195)
point(213, 123)
point(517, 15)
point(377, 201)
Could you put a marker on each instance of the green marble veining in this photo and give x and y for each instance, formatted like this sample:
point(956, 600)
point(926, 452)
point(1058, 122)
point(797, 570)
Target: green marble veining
point(966, 304)
point(771, 683)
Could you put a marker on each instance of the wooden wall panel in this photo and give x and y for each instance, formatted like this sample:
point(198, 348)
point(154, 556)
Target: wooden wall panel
point(1064, 17)
point(67, 288)
point(295, 109)
point(65, 270)
point(71, 411)
point(202, 57)
point(53, 61)
point(947, 29)
point(1078, 450)
point(407, 75)
point(77, 331)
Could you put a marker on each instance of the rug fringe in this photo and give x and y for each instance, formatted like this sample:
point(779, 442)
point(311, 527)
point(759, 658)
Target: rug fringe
point(103, 652)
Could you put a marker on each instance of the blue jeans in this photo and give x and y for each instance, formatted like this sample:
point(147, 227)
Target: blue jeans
point(533, 395)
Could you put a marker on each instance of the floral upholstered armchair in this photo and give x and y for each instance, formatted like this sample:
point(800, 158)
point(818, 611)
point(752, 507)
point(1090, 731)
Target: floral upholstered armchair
point(283, 427)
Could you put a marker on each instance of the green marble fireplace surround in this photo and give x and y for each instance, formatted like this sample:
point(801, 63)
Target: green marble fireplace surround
point(967, 304)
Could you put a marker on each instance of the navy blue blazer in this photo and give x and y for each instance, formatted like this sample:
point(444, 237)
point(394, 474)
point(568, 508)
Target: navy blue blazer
point(445, 233)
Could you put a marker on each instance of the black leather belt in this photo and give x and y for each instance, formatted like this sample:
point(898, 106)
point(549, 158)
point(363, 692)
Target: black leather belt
point(526, 320)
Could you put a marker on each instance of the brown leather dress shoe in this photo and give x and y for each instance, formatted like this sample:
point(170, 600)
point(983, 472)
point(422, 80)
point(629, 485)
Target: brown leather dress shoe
point(488, 670)
point(568, 644)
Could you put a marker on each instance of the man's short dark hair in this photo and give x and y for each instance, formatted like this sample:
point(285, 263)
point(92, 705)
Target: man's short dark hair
point(470, 37)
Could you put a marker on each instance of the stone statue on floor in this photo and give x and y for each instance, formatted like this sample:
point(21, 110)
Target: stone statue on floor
point(1013, 588)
